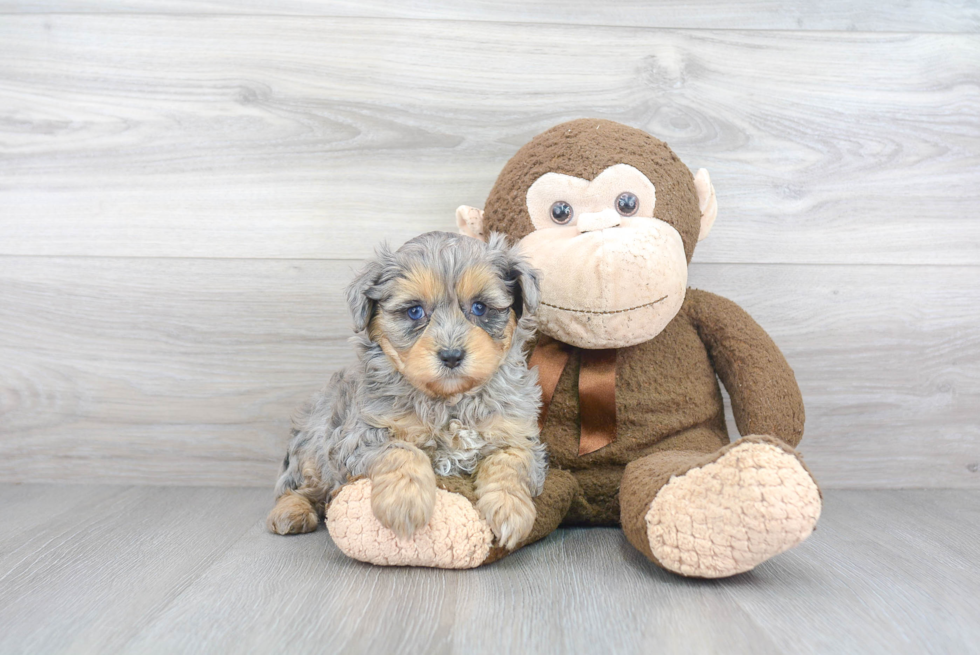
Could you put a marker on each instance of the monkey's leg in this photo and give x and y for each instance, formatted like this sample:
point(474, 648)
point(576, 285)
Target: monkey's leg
point(456, 537)
point(718, 514)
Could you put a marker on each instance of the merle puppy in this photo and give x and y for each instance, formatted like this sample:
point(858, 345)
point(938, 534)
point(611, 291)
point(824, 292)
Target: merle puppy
point(440, 387)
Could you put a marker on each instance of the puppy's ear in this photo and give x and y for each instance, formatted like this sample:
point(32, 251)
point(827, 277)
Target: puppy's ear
point(363, 292)
point(527, 292)
point(522, 280)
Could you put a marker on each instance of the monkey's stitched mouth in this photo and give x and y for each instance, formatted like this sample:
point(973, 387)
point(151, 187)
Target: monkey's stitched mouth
point(613, 311)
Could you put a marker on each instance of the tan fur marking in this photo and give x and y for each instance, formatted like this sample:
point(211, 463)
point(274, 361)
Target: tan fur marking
point(474, 282)
point(408, 428)
point(483, 358)
point(504, 496)
point(300, 510)
point(293, 514)
point(421, 284)
point(404, 490)
point(388, 349)
point(510, 431)
point(420, 364)
point(484, 354)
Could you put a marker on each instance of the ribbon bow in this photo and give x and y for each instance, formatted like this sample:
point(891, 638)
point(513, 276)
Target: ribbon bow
point(596, 389)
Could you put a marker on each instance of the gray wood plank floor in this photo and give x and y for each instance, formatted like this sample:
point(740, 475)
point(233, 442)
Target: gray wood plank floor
point(106, 569)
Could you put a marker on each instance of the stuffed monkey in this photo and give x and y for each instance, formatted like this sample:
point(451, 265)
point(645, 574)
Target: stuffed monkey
point(629, 361)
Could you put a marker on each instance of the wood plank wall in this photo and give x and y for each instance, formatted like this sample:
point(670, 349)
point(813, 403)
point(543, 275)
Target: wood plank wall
point(186, 187)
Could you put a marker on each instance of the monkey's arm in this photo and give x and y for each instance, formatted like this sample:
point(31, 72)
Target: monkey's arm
point(765, 397)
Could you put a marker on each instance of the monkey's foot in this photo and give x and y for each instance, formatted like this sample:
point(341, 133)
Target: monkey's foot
point(755, 501)
point(456, 537)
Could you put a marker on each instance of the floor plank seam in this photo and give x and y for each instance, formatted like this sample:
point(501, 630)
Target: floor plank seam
point(477, 22)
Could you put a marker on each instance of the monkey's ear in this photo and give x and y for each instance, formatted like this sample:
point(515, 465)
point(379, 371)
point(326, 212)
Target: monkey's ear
point(469, 220)
point(706, 201)
point(362, 292)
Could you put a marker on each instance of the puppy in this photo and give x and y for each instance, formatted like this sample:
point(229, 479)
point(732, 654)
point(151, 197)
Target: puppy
point(440, 387)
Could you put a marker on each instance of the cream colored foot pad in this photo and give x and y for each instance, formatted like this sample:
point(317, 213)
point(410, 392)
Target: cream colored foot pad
point(726, 517)
point(456, 537)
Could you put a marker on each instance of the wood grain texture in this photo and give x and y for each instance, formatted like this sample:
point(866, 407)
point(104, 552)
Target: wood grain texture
point(193, 571)
point(170, 371)
point(306, 137)
point(186, 372)
point(28, 509)
point(88, 580)
point(904, 548)
point(914, 16)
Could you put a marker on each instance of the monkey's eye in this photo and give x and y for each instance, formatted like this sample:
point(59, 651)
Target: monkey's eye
point(561, 212)
point(627, 203)
point(416, 312)
point(478, 309)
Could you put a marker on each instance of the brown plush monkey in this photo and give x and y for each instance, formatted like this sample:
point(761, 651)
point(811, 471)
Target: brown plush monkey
point(629, 360)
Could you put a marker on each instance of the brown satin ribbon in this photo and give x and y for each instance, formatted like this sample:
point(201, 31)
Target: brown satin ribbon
point(596, 389)
point(550, 356)
point(597, 400)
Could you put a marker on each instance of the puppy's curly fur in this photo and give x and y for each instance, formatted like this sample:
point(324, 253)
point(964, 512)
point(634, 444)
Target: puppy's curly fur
point(446, 393)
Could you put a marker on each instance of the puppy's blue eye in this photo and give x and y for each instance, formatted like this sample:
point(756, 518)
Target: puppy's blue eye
point(416, 312)
point(478, 309)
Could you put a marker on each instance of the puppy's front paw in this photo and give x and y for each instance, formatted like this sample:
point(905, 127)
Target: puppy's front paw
point(403, 502)
point(293, 514)
point(510, 515)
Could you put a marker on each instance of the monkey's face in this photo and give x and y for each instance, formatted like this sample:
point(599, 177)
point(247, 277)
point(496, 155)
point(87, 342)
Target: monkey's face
point(612, 275)
point(610, 216)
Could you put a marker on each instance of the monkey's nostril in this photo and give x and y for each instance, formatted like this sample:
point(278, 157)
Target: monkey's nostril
point(451, 358)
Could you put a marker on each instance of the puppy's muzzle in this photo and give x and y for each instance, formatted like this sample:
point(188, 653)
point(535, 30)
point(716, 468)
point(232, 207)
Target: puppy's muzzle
point(451, 357)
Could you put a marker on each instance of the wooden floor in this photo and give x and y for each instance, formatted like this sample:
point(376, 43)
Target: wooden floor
point(105, 569)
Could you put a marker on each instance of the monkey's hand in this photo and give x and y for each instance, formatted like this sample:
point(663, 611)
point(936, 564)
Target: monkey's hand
point(403, 490)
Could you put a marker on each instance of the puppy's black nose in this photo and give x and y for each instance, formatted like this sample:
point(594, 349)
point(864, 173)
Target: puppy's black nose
point(451, 358)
